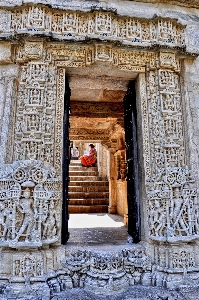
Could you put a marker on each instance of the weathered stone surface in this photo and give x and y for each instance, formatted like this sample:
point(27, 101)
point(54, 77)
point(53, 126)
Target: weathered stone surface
point(100, 46)
point(30, 206)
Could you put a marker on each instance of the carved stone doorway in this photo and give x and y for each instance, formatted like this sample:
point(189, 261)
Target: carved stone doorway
point(97, 115)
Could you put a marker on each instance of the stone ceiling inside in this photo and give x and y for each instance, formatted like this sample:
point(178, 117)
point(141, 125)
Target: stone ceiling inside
point(97, 94)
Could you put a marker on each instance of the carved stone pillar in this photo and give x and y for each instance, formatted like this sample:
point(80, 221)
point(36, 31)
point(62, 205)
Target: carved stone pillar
point(170, 184)
point(8, 75)
point(112, 183)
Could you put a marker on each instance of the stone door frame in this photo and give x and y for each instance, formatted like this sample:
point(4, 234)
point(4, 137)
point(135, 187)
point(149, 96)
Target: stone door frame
point(156, 55)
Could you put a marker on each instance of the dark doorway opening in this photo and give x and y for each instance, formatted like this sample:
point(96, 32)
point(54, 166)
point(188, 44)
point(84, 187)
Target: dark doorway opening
point(132, 176)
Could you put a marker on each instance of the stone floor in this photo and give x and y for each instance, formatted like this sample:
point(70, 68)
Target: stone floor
point(97, 229)
point(133, 293)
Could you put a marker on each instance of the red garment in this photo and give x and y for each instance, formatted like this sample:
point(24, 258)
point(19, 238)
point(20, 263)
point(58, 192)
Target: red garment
point(90, 159)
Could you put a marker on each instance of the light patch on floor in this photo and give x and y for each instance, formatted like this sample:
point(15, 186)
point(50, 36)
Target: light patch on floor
point(95, 221)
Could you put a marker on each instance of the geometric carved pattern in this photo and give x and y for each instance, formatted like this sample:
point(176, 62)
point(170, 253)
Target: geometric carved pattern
point(102, 25)
point(35, 107)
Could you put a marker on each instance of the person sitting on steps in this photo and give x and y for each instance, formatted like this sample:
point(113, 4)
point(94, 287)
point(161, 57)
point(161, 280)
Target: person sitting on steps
point(90, 159)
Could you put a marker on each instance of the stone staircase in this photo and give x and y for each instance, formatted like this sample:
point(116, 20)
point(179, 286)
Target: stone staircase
point(88, 192)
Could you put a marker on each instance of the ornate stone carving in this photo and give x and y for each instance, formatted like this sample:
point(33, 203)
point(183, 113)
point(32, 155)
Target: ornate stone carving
point(28, 265)
point(172, 189)
point(35, 106)
point(163, 112)
point(92, 134)
point(30, 204)
point(173, 206)
point(120, 164)
point(99, 109)
point(102, 25)
point(104, 273)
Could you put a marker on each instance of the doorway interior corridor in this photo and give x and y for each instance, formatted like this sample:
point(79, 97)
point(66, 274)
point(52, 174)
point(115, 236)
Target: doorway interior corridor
point(98, 205)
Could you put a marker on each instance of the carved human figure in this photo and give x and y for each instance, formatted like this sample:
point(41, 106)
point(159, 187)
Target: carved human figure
point(33, 122)
point(50, 224)
point(35, 97)
point(158, 219)
point(28, 219)
point(1, 218)
point(177, 206)
point(8, 214)
point(17, 268)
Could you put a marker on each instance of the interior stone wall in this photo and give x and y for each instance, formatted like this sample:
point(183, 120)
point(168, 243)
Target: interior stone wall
point(163, 53)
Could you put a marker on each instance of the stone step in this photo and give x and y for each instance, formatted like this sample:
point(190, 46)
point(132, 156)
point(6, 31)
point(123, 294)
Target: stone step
point(88, 188)
point(79, 164)
point(87, 183)
point(88, 195)
point(83, 173)
point(88, 192)
point(75, 163)
point(75, 209)
point(86, 202)
point(88, 178)
point(80, 168)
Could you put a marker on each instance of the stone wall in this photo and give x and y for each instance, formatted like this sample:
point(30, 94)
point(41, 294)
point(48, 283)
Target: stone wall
point(158, 44)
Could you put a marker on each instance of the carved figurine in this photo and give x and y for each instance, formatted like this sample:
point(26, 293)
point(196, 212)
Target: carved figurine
point(8, 214)
point(1, 218)
point(177, 206)
point(28, 220)
point(50, 224)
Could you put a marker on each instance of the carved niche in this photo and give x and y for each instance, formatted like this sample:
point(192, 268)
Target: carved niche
point(30, 201)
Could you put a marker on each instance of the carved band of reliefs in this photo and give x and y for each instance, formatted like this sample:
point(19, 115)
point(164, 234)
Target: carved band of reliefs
point(77, 56)
point(29, 204)
point(86, 134)
point(102, 272)
point(102, 25)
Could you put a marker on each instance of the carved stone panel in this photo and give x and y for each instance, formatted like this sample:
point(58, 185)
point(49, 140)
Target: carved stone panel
point(30, 204)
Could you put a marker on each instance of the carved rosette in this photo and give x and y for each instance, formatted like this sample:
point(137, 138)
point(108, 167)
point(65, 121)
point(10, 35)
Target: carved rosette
point(29, 204)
